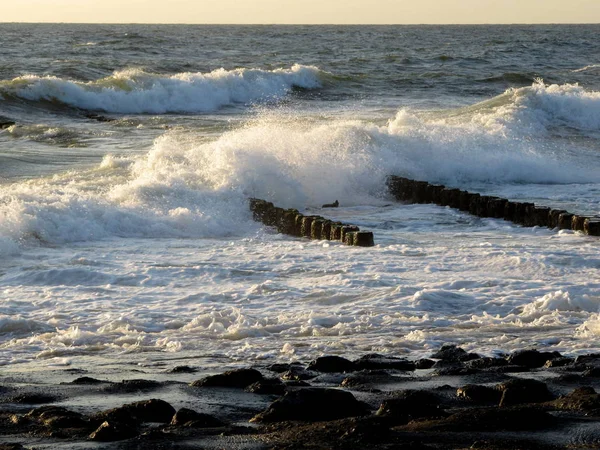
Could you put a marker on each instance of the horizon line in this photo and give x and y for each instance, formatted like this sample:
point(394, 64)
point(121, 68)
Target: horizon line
point(301, 24)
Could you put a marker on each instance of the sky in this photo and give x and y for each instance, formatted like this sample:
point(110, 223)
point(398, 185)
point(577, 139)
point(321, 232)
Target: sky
point(304, 11)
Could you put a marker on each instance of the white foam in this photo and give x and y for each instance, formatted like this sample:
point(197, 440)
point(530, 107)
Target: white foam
point(135, 91)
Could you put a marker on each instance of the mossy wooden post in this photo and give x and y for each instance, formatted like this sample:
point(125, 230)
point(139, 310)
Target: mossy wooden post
point(553, 217)
point(347, 229)
point(363, 239)
point(326, 230)
point(336, 231)
point(306, 226)
point(565, 221)
point(591, 226)
point(349, 237)
point(578, 223)
point(315, 228)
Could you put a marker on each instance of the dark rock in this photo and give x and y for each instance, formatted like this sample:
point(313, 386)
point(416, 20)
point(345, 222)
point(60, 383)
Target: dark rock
point(58, 417)
point(268, 386)
point(98, 117)
point(32, 399)
point(239, 378)
point(510, 368)
point(368, 378)
point(295, 383)
point(454, 370)
point(479, 394)
point(11, 445)
point(190, 418)
point(589, 360)
point(280, 368)
point(332, 364)
point(592, 372)
point(137, 385)
point(153, 410)
point(87, 380)
point(559, 362)
point(520, 390)
point(581, 399)
point(454, 353)
point(410, 405)
point(424, 363)
point(331, 205)
point(531, 358)
point(298, 374)
point(312, 404)
point(112, 432)
point(485, 363)
point(182, 369)
point(489, 420)
point(374, 361)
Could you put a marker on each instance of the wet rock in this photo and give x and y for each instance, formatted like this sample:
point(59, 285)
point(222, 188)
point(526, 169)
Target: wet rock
point(589, 360)
point(57, 417)
point(298, 374)
point(581, 399)
point(531, 358)
point(137, 385)
point(558, 362)
point(239, 378)
point(486, 363)
point(189, 418)
point(488, 419)
point(454, 370)
point(312, 404)
point(331, 205)
point(11, 445)
point(332, 364)
point(112, 432)
point(87, 380)
point(510, 368)
point(153, 410)
point(182, 369)
point(518, 391)
point(374, 361)
point(479, 394)
point(592, 372)
point(280, 368)
point(98, 117)
point(410, 405)
point(368, 378)
point(424, 363)
point(268, 386)
point(454, 353)
point(32, 399)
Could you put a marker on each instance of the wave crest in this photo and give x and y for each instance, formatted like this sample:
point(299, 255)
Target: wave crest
point(134, 91)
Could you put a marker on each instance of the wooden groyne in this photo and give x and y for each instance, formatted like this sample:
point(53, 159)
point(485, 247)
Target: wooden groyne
point(294, 223)
point(521, 213)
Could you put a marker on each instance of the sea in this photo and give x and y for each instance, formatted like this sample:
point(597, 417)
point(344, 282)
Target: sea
point(127, 245)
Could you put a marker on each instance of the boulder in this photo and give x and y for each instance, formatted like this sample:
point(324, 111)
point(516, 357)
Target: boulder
point(112, 432)
point(238, 378)
point(410, 405)
point(454, 354)
point(479, 394)
point(189, 418)
point(520, 390)
point(267, 386)
point(332, 364)
point(531, 358)
point(312, 404)
point(153, 410)
point(374, 361)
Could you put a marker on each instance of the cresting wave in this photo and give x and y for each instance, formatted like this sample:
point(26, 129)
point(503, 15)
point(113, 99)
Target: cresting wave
point(134, 91)
point(186, 188)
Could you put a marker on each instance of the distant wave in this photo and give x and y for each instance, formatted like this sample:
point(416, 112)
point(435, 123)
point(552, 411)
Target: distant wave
point(135, 91)
point(534, 109)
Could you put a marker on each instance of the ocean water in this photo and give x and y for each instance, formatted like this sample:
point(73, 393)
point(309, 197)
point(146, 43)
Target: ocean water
point(128, 243)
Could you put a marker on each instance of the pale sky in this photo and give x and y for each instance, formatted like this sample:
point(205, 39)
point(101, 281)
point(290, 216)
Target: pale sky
point(303, 11)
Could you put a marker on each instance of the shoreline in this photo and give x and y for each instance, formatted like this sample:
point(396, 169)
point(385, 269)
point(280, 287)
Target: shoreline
point(454, 399)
